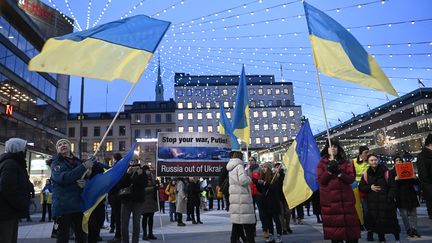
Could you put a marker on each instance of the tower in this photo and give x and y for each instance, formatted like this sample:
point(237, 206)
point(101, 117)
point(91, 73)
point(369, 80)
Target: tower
point(159, 86)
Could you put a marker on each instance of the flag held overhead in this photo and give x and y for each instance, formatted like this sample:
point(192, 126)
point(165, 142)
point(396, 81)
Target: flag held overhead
point(226, 128)
point(117, 50)
point(338, 54)
point(241, 123)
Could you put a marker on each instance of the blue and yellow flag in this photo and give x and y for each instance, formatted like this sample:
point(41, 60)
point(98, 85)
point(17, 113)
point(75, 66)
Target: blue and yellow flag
point(97, 187)
point(117, 50)
point(241, 123)
point(301, 161)
point(226, 128)
point(358, 201)
point(338, 54)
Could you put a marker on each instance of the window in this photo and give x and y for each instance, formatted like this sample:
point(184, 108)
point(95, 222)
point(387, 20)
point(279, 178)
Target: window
point(158, 118)
point(228, 114)
point(252, 103)
point(209, 128)
point(217, 104)
point(234, 91)
point(110, 132)
point(207, 92)
point(277, 91)
point(273, 113)
point(72, 147)
point(224, 92)
point(216, 92)
point(284, 126)
point(95, 146)
point(286, 91)
point(84, 132)
point(269, 103)
point(269, 91)
point(180, 93)
point(147, 133)
point(122, 146)
point(158, 131)
point(180, 105)
point(217, 115)
point(282, 113)
point(260, 91)
point(190, 129)
point(264, 114)
point(199, 105)
point(251, 91)
point(255, 114)
point(209, 115)
point(84, 147)
point(168, 118)
point(122, 130)
point(109, 146)
point(169, 130)
point(137, 133)
point(137, 118)
point(257, 127)
point(71, 132)
point(276, 139)
point(275, 126)
point(226, 104)
point(200, 129)
point(208, 105)
point(181, 129)
point(261, 103)
point(189, 105)
point(258, 140)
point(292, 126)
point(278, 102)
point(199, 115)
point(190, 116)
point(180, 116)
point(197, 92)
point(291, 113)
point(287, 103)
point(284, 139)
point(189, 92)
point(266, 140)
point(265, 127)
point(96, 131)
point(147, 118)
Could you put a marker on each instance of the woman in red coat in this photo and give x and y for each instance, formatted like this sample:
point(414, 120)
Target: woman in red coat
point(339, 216)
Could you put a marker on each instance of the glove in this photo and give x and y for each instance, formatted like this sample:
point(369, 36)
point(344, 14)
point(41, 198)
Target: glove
point(81, 183)
point(333, 167)
point(89, 163)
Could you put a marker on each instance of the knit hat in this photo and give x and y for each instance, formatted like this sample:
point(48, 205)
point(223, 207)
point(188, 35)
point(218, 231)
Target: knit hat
point(62, 141)
point(268, 165)
point(428, 139)
point(363, 148)
point(15, 145)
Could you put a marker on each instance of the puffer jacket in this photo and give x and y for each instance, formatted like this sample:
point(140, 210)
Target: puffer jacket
point(424, 165)
point(241, 205)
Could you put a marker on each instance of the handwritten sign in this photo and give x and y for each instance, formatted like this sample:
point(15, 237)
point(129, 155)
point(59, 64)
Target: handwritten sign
point(405, 170)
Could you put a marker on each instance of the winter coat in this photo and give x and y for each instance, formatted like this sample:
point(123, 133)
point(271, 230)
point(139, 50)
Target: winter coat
point(66, 192)
point(219, 194)
point(271, 193)
point(424, 167)
point(339, 216)
point(194, 193)
point(257, 169)
point(381, 214)
point(170, 192)
point(138, 182)
point(46, 194)
point(150, 196)
point(181, 197)
point(241, 205)
point(162, 195)
point(406, 195)
point(14, 187)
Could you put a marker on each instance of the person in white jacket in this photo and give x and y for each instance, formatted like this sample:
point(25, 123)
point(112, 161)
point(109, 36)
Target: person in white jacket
point(242, 213)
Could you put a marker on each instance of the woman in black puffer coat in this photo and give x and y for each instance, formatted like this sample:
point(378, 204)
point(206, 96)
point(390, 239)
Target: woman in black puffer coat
point(380, 191)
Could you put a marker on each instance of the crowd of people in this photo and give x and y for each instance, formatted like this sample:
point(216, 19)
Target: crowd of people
point(248, 191)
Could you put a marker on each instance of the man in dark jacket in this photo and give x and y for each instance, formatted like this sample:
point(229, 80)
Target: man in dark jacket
point(14, 189)
point(115, 202)
point(66, 173)
point(424, 166)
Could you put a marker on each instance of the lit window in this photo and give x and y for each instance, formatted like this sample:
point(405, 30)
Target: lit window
point(72, 147)
point(261, 103)
point(209, 115)
point(265, 127)
point(258, 140)
point(200, 129)
point(260, 91)
point(252, 103)
point(234, 92)
point(217, 115)
point(282, 113)
point(180, 105)
point(226, 104)
point(264, 113)
point(291, 113)
point(286, 91)
point(180, 116)
point(217, 104)
point(273, 113)
point(181, 129)
point(275, 127)
point(251, 91)
point(209, 128)
point(199, 116)
point(284, 139)
point(292, 126)
point(255, 114)
point(284, 126)
point(208, 105)
point(109, 146)
point(257, 127)
point(189, 105)
point(269, 91)
point(224, 92)
point(277, 91)
point(276, 139)
point(228, 114)
point(199, 105)
point(190, 129)
point(190, 116)
point(293, 137)
point(269, 103)
point(95, 146)
point(266, 140)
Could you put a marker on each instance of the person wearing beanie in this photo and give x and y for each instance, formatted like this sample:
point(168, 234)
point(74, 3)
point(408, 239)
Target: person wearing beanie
point(14, 186)
point(66, 173)
point(424, 166)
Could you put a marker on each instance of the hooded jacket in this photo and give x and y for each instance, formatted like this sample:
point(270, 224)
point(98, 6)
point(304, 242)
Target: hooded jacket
point(241, 205)
point(424, 166)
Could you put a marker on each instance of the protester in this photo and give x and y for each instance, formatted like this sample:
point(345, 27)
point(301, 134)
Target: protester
point(285, 215)
point(194, 199)
point(66, 173)
point(136, 180)
point(14, 189)
point(210, 194)
point(242, 213)
point(181, 197)
point(115, 202)
point(254, 171)
point(46, 200)
point(380, 190)
point(316, 207)
point(162, 198)
point(32, 196)
point(424, 166)
point(270, 185)
point(335, 176)
point(406, 200)
point(170, 192)
point(224, 182)
point(219, 198)
point(150, 204)
point(300, 214)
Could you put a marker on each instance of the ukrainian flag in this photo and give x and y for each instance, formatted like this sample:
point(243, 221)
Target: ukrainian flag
point(338, 54)
point(301, 161)
point(117, 50)
point(226, 128)
point(358, 201)
point(241, 123)
point(97, 187)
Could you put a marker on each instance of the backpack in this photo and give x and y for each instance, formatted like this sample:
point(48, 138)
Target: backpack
point(386, 176)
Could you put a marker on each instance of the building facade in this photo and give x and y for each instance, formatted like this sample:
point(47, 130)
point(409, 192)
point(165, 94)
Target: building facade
point(274, 117)
point(33, 105)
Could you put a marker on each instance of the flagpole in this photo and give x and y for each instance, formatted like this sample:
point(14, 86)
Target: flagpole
point(81, 118)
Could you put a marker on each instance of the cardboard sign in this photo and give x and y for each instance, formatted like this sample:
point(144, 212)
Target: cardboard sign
point(405, 170)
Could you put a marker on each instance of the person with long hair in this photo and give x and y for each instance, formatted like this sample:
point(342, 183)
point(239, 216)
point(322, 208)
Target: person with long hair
point(150, 204)
point(380, 190)
point(335, 176)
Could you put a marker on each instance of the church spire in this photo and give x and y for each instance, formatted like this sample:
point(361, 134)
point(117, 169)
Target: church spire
point(159, 86)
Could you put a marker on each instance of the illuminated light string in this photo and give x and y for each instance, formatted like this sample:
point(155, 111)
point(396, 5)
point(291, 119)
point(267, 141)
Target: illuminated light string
point(132, 9)
point(64, 16)
point(105, 8)
point(295, 33)
point(88, 14)
point(71, 13)
point(157, 14)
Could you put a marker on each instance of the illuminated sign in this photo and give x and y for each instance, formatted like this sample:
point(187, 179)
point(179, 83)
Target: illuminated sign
point(9, 110)
point(36, 9)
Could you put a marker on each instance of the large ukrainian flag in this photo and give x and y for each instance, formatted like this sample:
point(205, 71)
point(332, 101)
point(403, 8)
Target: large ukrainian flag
point(97, 187)
point(226, 128)
point(116, 50)
point(301, 161)
point(338, 54)
point(241, 123)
